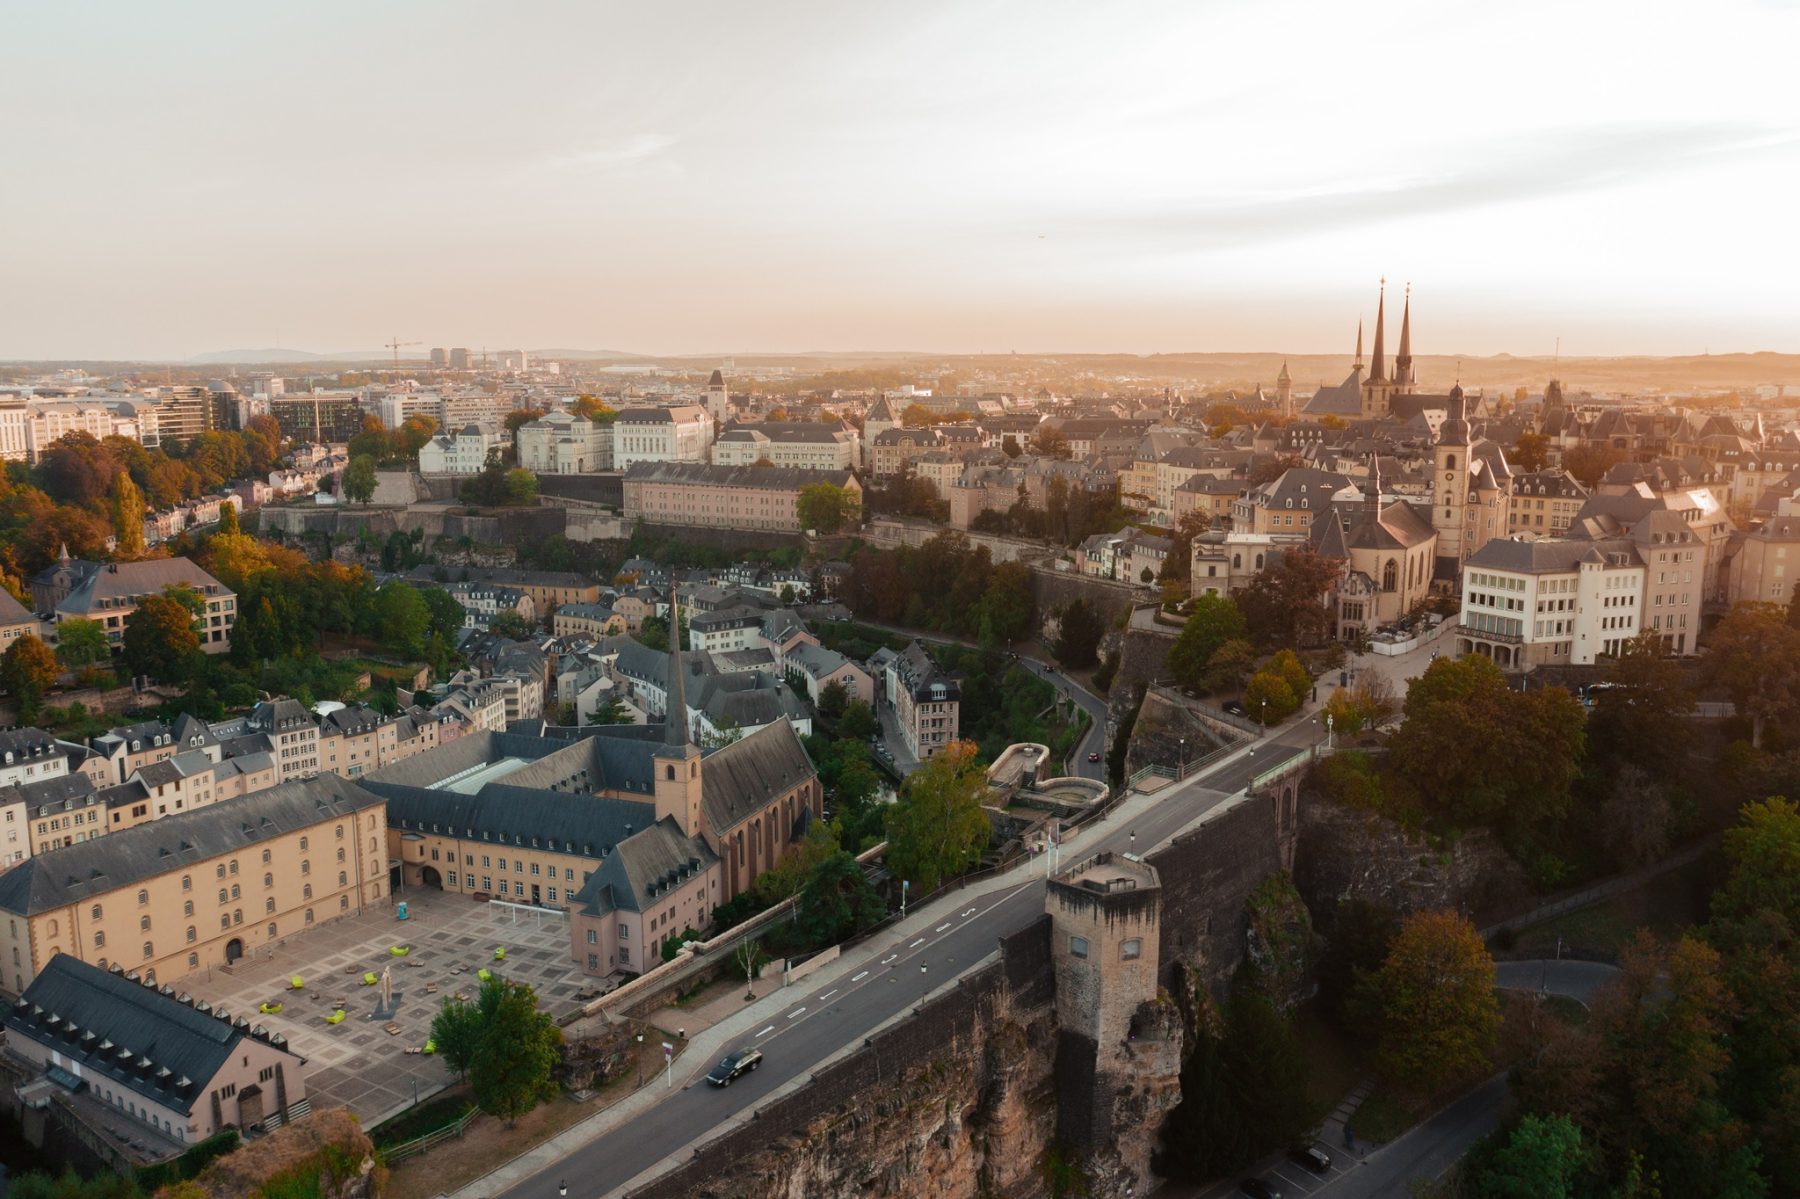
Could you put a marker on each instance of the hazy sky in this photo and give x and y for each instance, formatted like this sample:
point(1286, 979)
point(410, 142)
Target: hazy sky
point(974, 176)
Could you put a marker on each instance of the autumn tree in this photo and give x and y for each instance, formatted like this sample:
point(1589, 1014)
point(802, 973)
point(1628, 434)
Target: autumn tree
point(127, 518)
point(1483, 754)
point(160, 640)
point(1049, 442)
point(1530, 453)
point(27, 670)
point(1755, 655)
point(1590, 461)
point(1435, 1003)
point(936, 829)
point(1644, 714)
point(1284, 602)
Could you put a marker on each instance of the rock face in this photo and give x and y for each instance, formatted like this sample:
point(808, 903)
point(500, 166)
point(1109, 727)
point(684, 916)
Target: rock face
point(592, 1060)
point(326, 1153)
point(1348, 853)
point(1167, 734)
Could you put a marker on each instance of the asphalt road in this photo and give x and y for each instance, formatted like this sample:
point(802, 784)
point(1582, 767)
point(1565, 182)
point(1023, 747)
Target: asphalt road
point(836, 1010)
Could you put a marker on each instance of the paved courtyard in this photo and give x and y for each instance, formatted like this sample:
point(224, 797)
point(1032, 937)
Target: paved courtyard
point(360, 1063)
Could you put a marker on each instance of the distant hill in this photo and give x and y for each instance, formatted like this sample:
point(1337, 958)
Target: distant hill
point(264, 357)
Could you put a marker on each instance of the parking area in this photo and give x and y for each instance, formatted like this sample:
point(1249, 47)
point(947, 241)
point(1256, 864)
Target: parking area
point(1288, 1178)
point(363, 1062)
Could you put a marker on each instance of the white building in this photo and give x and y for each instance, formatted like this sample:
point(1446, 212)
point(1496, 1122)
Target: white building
point(1562, 601)
point(561, 443)
point(678, 434)
point(461, 453)
point(51, 420)
point(806, 446)
point(15, 429)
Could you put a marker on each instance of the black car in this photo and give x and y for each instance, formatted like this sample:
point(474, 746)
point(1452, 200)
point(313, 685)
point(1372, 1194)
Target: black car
point(1313, 1158)
point(734, 1064)
point(1256, 1188)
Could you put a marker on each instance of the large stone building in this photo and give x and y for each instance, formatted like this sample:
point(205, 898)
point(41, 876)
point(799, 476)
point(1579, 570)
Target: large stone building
point(561, 443)
point(723, 497)
point(1544, 502)
point(1471, 488)
point(197, 889)
point(463, 452)
point(109, 592)
point(802, 445)
point(927, 702)
point(1387, 547)
point(1768, 561)
point(679, 434)
point(178, 1068)
point(1553, 600)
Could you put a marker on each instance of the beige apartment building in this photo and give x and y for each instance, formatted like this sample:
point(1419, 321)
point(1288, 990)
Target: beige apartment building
point(723, 497)
point(1768, 561)
point(927, 703)
point(197, 889)
point(1544, 502)
point(111, 593)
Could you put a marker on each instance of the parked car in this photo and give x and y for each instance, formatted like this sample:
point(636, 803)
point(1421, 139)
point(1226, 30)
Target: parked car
point(1312, 1157)
point(1256, 1188)
point(1094, 757)
point(734, 1064)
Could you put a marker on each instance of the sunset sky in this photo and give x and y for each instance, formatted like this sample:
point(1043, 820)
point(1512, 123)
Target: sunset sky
point(727, 177)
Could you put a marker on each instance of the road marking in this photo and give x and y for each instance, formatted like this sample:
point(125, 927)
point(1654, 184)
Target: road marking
point(765, 1032)
point(917, 943)
point(858, 978)
point(940, 928)
point(890, 957)
point(796, 1013)
point(828, 994)
point(970, 912)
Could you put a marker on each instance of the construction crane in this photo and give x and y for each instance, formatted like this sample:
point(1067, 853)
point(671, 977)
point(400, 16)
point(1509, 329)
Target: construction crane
point(395, 345)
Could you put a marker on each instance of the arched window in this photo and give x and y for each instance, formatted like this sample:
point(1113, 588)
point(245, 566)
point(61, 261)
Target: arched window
point(1237, 561)
point(1450, 462)
point(1259, 561)
point(143, 924)
point(99, 940)
point(268, 879)
point(1390, 575)
point(149, 950)
point(95, 913)
point(143, 897)
point(192, 934)
point(671, 773)
point(187, 909)
point(267, 857)
point(306, 891)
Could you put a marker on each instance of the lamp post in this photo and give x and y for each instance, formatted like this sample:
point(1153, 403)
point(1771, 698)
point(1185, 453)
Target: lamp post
point(640, 1057)
point(905, 885)
point(1265, 714)
point(1181, 770)
point(1328, 732)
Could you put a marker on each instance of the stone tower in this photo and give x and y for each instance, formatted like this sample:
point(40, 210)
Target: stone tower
point(1284, 392)
point(1450, 482)
point(677, 760)
point(1118, 1061)
point(718, 400)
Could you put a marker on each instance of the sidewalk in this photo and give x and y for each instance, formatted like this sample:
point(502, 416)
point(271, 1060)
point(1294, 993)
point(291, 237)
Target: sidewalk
point(705, 1046)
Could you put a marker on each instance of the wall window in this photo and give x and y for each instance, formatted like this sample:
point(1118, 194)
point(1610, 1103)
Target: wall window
point(192, 934)
point(99, 940)
point(1128, 950)
point(1078, 947)
point(143, 897)
point(187, 882)
point(94, 912)
point(187, 909)
point(143, 924)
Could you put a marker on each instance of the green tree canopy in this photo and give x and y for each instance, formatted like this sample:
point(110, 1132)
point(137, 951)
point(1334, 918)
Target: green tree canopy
point(858, 720)
point(1078, 636)
point(826, 507)
point(128, 517)
point(81, 643)
point(511, 1069)
point(359, 479)
point(1214, 621)
point(1543, 1158)
point(160, 640)
point(937, 828)
point(836, 901)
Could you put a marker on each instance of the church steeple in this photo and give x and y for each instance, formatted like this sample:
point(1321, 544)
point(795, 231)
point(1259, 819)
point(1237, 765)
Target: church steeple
point(1377, 360)
point(1358, 364)
point(1372, 487)
point(1403, 362)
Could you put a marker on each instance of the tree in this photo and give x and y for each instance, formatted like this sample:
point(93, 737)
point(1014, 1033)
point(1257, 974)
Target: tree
point(1006, 606)
point(456, 1034)
point(521, 488)
point(412, 435)
point(832, 698)
point(836, 901)
point(1635, 817)
point(937, 828)
point(611, 711)
point(595, 409)
point(1481, 753)
point(1078, 635)
point(1644, 715)
point(78, 470)
point(1285, 602)
point(81, 643)
point(160, 640)
point(1543, 1158)
point(512, 626)
point(1362, 931)
point(1436, 1008)
point(518, 418)
point(1269, 699)
point(825, 507)
point(1755, 655)
point(1530, 452)
point(511, 1067)
point(858, 720)
point(1763, 852)
point(400, 618)
point(27, 670)
point(371, 442)
point(1588, 462)
point(359, 479)
point(127, 518)
point(1214, 621)
point(228, 518)
point(1049, 442)
point(1230, 665)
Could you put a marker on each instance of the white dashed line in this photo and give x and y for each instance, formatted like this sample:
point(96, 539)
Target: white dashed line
point(765, 1032)
point(917, 943)
point(940, 928)
point(828, 994)
point(970, 912)
point(890, 957)
point(858, 978)
point(796, 1013)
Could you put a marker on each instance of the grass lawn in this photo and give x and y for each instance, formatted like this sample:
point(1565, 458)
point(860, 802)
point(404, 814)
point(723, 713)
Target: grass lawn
point(1665, 905)
point(429, 1116)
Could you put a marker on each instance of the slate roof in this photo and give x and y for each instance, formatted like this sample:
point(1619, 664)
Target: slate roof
point(526, 817)
point(119, 859)
point(643, 866)
point(94, 1017)
point(769, 478)
point(12, 611)
point(127, 582)
point(1544, 555)
point(738, 781)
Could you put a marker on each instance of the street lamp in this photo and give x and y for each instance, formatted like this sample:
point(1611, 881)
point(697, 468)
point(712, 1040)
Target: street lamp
point(1181, 771)
point(1265, 713)
point(1328, 732)
point(640, 1058)
point(905, 884)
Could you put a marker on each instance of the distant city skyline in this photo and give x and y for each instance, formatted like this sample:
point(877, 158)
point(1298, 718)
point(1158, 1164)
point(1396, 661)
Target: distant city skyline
point(720, 178)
